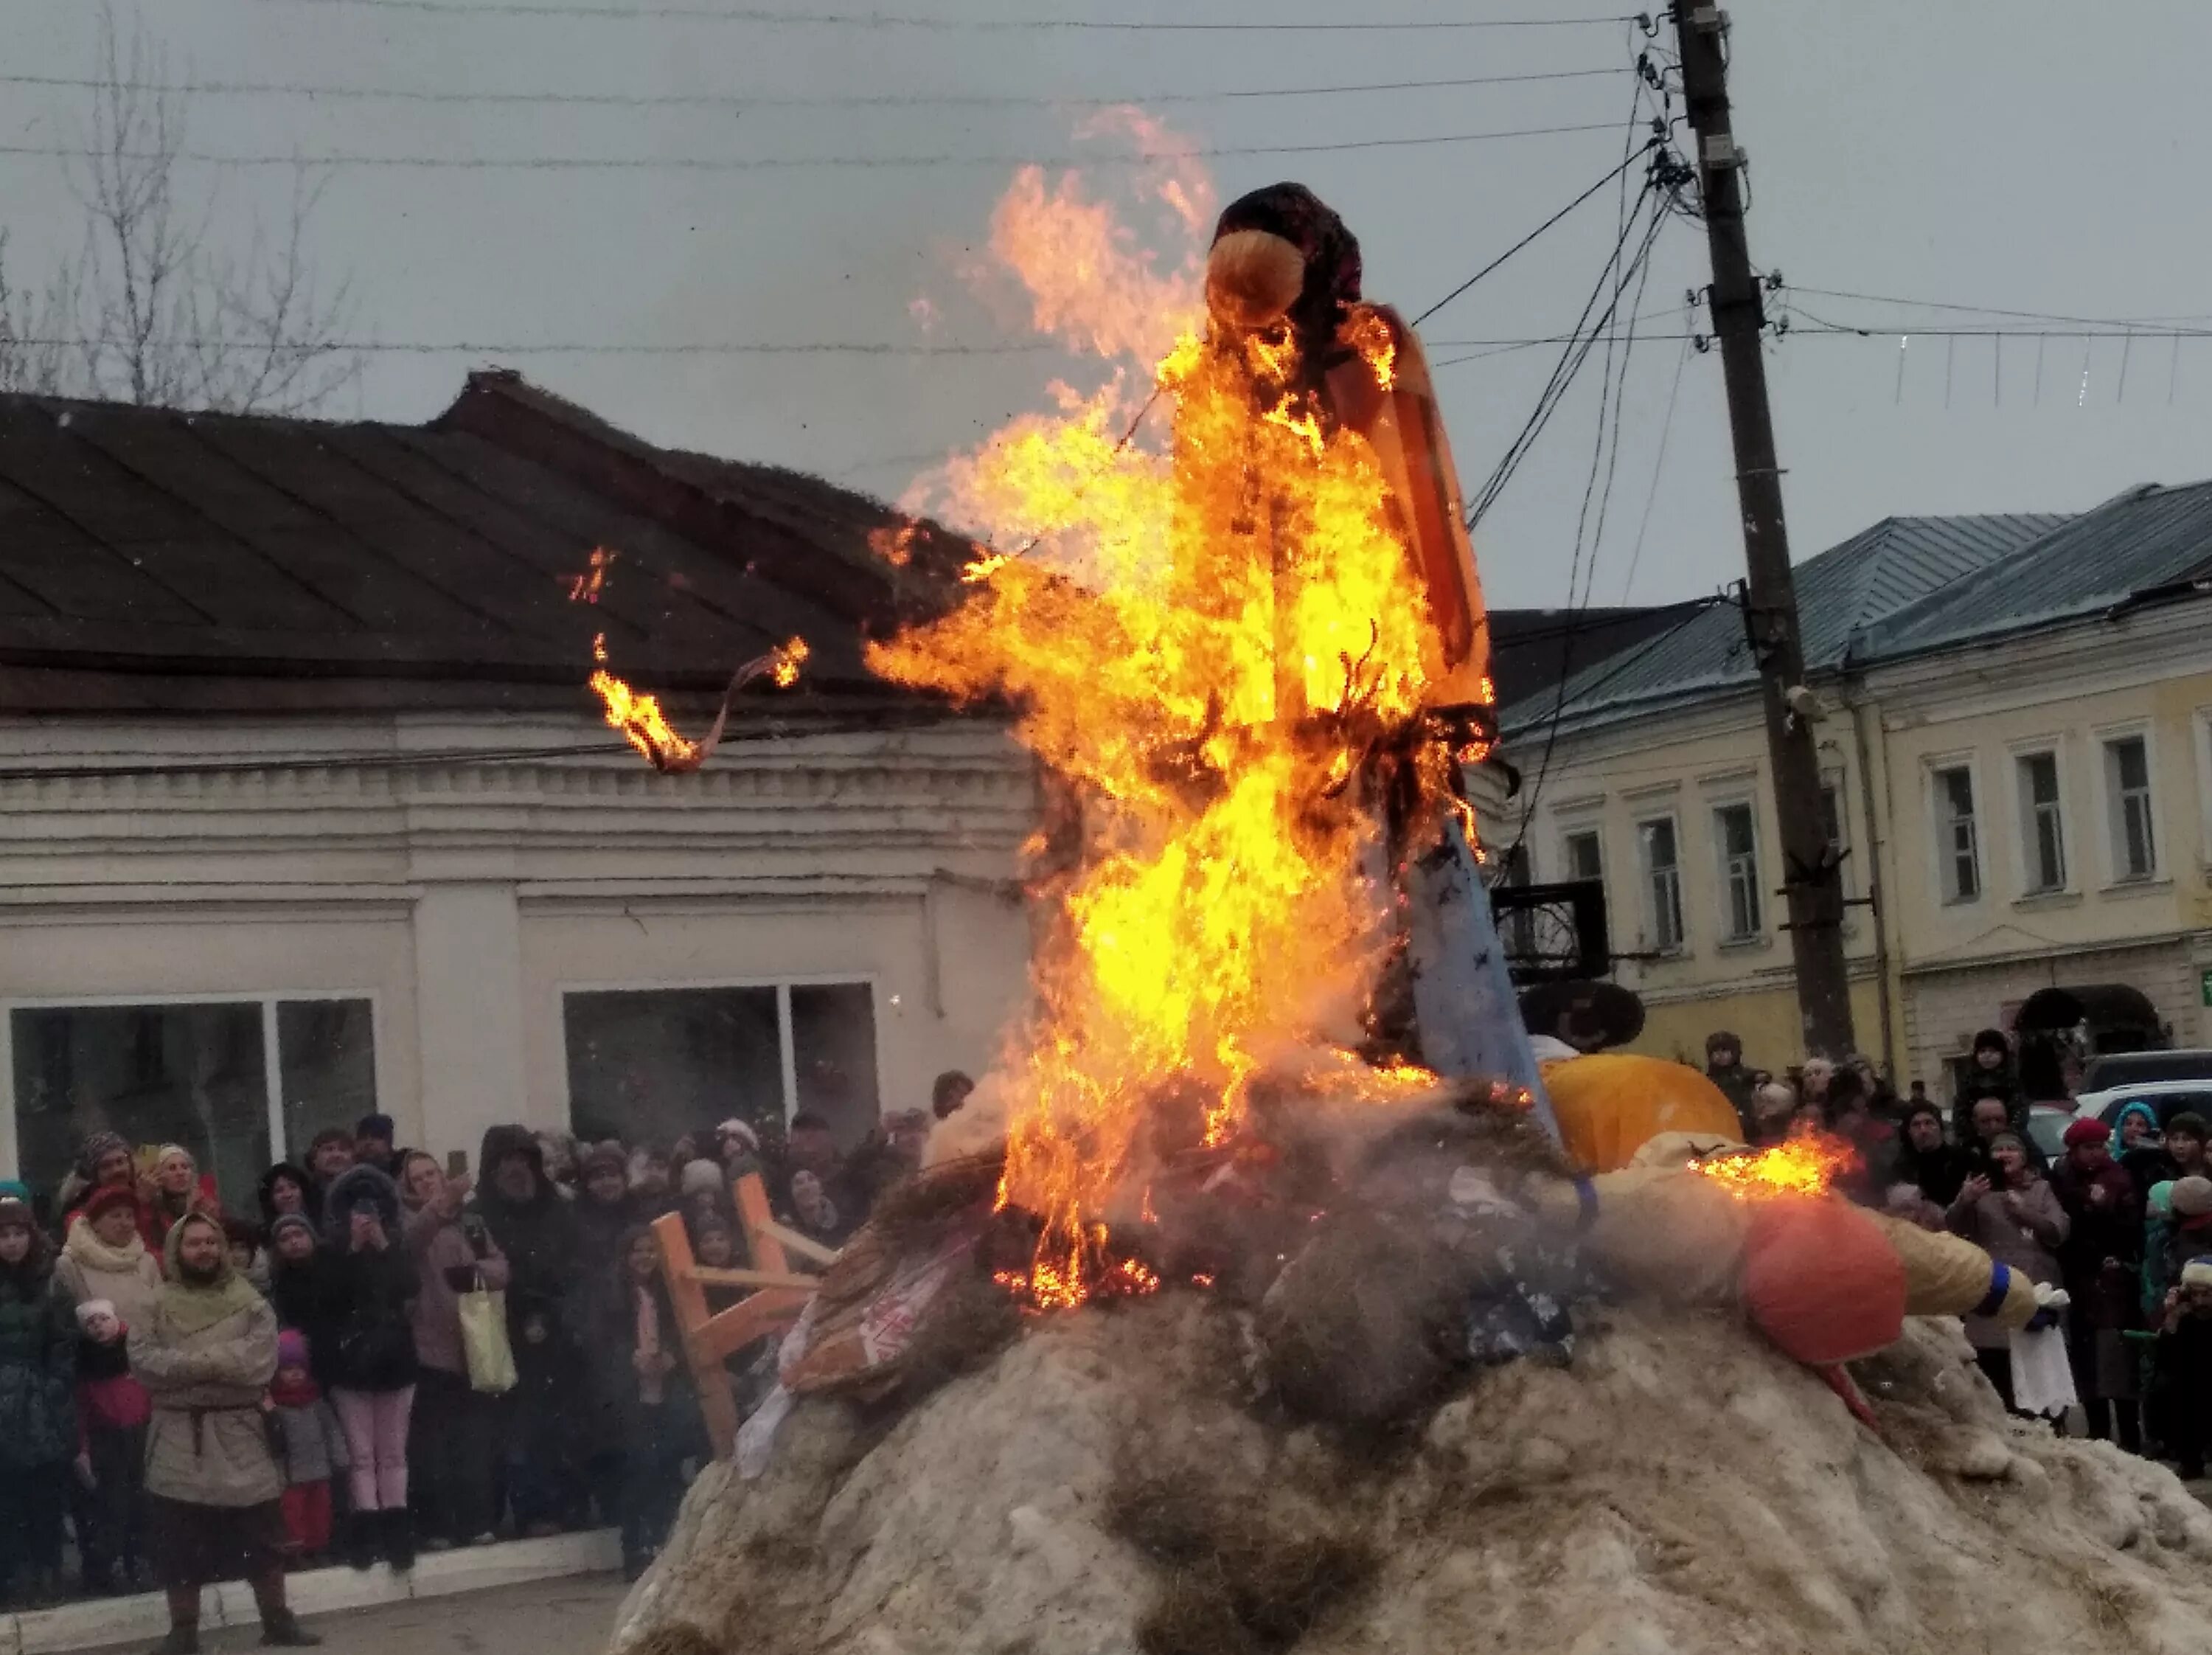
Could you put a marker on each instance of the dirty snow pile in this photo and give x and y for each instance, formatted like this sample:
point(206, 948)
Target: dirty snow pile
point(1108, 1483)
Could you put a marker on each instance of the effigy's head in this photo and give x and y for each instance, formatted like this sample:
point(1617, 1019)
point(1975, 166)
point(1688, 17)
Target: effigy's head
point(1281, 254)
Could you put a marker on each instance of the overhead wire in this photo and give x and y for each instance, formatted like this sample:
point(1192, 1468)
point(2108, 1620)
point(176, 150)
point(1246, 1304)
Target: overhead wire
point(742, 100)
point(663, 11)
point(782, 163)
point(1658, 470)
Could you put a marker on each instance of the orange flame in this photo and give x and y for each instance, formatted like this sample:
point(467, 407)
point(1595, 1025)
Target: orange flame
point(584, 588)
point(1807, 1165)
point(1207, 638)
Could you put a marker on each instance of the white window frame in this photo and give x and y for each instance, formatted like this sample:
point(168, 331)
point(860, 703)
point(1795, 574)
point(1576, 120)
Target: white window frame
point(1647, 875)
point(1569, 833)
point(272, 1077)
point(787, 1047)
point(1724, 875)
point(2027, 823)
point(2112, 805)
point(1941, 862)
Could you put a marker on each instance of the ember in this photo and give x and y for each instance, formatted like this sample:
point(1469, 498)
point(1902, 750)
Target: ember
point(1807, 1165)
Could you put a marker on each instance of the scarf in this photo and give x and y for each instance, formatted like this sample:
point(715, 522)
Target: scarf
point(305, 1394)
point(193, 1307)
point(651, 1387)
point(89, 1251)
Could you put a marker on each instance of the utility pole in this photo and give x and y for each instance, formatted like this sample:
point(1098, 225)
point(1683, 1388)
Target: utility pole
point(1812, 883)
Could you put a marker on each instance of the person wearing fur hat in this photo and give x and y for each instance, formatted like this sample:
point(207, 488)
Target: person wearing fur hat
point(112, 1411)
point(312, 1446)
point(1989, 1074)
point(368, 1331)
point(2102, 1262)
point(38, 1406)
point(105, 1256)
point(206, 1355)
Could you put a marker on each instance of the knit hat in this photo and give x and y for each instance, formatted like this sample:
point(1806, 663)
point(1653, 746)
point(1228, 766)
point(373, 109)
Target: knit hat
point(109, 1196)
point(92, 1307)
point(1993, 1040)
point(2013, 1139)
point(2158, 1200)
point(2192, 1196)
point(1720, 1037)
point(2087, 1131)
point(14, 1210)
point(734, 1127)
point(15, 1190)
point(97, 1148)
point(378, 1126)
point(291, 1348)
point(2197, 1273)
point(290, 1222)
point(701, 1178)
point(606, 1157)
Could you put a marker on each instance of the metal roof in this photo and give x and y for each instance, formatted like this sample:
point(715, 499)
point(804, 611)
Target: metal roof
point(2149, 538)
point(1844, 591)
point(161, 560)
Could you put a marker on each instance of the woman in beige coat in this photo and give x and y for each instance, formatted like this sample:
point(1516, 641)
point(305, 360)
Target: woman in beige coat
point(104, 1257)
point(205, 1354)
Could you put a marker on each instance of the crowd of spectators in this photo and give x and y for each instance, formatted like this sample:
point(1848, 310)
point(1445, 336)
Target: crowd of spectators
point(199, 1384)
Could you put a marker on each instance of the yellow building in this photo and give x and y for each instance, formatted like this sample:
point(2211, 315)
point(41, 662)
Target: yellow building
point(2014, 721)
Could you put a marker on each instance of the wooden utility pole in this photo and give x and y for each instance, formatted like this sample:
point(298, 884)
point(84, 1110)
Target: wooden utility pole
point(1812, 883)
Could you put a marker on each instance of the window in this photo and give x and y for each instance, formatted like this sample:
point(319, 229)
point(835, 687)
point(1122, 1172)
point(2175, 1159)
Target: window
point(1959, 845)
point(2042, 823)
point(1583, 852)
point(193, 1073)
point(654, 1064)
point(1518, 932)
point(2127, 785)
point(1737, 834)
point(1662, 883)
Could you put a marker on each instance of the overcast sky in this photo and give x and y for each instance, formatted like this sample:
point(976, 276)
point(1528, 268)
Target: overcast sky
point(2014, 154)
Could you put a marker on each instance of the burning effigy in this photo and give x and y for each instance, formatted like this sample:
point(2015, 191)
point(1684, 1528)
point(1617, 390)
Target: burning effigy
point(1232, 1314)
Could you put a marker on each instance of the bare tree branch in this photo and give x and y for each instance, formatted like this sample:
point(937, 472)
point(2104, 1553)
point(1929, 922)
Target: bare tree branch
point(147, 312)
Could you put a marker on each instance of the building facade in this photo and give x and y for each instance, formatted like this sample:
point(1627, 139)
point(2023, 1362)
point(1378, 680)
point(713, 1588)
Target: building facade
point(2013, 727)
point(305, 810)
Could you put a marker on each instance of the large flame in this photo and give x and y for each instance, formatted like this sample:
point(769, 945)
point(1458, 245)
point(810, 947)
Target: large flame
point(1205, 636)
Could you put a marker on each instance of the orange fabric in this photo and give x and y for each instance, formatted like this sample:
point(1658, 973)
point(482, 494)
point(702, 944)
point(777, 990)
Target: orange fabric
point(1821, 1279)
point(1611, 1105)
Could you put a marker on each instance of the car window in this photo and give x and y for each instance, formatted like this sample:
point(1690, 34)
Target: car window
point(2132, 1068)
point(2046, 1128)
point(2164, 1104)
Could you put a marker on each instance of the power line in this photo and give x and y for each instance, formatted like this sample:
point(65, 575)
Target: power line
point(768, 163)
point(1658, 467)
point(1627, 161)
point(742, 100)
point(1988, 310)
point(719, 15)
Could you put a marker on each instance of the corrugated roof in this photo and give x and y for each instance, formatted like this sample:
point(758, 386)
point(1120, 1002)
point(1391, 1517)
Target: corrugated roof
point(2148, 537)
point(270, 562)
point(1844, 591)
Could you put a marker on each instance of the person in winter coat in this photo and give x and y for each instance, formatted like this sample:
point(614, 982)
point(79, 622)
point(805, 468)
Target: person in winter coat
point(105, 1256)
point(451, 1444)
point(604, 1209)
point(1724, 1068)
point(534, 1225)
point(1989, 1074)
point(367, 1322)
point(297, 1280)
point(330, 1152)
point(206, 1355)
point(2101, 1263)
point(2184, 1140)
point(2015, 1218)
point(312, 1447)
point(645, 1388)
point(104, 1163)
point(287, 1189)
point(176, 1187)
point(112, 1412)
point(38, 1407)
point(2184, 1364)
point(1928, 1173)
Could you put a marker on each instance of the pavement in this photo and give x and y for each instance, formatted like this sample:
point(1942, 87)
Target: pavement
point(471, 1590)
point(569, 1616)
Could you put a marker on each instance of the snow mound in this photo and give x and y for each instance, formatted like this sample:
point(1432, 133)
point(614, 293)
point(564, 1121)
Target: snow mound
point(1102, 1487)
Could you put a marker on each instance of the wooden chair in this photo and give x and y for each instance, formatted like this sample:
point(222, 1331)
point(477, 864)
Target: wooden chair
point(774, 1293)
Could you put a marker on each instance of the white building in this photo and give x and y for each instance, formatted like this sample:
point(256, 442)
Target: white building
point(305, 810)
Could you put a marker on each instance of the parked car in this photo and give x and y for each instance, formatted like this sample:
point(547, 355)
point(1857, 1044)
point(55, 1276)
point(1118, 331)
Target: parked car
point(2131, 1069)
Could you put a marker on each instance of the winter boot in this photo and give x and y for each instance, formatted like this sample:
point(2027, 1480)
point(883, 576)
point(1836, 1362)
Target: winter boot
point(180, 1640)
point(399, 1538)
point(361, 1539)
point(282, 1630)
